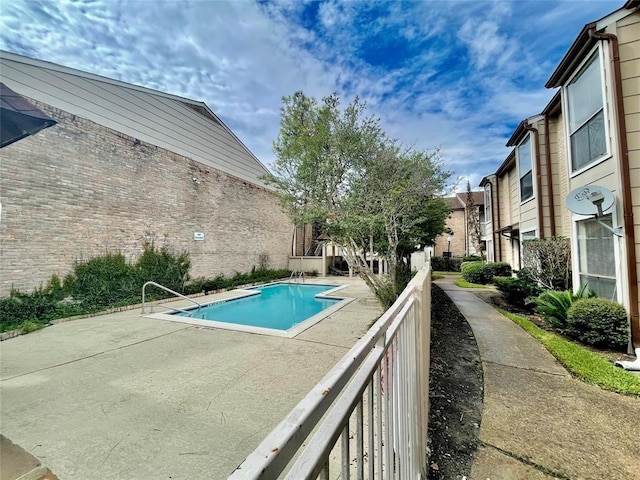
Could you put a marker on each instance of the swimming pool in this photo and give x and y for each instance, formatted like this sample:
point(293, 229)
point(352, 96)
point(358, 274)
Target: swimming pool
point(281, 309)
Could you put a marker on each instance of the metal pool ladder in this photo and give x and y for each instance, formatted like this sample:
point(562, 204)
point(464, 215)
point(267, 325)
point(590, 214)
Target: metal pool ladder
point(174, 293)
point(296, 276)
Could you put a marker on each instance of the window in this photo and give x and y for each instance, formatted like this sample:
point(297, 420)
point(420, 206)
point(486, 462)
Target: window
point(487, 202)
point(526, 259)
point(586, 115)
point(526, 237)
point(596, 259)
point(525, 169)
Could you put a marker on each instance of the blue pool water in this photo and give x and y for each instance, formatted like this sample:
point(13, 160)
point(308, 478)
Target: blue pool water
point(279, 306)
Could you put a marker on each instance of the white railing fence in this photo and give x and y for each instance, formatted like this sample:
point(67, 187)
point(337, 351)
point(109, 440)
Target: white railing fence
point(367, 418)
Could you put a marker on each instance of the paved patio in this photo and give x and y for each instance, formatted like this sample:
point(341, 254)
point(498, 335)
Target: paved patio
point(123, 396)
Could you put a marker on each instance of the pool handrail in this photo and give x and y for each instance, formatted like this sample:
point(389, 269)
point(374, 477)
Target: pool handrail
point(296, 275)
point(155, 284)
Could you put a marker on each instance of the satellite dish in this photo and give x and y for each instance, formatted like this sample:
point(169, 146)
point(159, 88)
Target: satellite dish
point(589, 200)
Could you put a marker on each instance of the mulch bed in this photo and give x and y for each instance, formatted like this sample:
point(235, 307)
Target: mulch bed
point(455, 391)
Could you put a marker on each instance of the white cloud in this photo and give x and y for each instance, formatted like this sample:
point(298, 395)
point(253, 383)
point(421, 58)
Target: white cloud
point(241, 57)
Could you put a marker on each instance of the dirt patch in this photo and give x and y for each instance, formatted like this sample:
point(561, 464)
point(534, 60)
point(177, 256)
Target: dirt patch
point(455, 391)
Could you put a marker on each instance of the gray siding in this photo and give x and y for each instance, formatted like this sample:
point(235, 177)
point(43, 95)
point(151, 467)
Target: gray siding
point(154, 117)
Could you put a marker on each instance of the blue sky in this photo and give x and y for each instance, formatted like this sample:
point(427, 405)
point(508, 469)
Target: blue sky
point(458, 75)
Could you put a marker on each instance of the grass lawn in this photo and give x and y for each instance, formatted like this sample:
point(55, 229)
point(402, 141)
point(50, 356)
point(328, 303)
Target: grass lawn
point(582, 363)
point(464, 284)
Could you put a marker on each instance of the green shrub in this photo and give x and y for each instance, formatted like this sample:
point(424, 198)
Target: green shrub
point(39, 307)
point(454, 264)
point(29, 326)
point(385, 293)
point(69, 284)
point(445, 264)
point(517, 290)
point(205, 285)
point(472, 258)
point(403, 277)
point(497, 269)
point(598, 321)
point(438, 264)
point(107, 281)
point(163, 267)
point(12, 313)
point(513, 289)
point(475, 272)
point(483, 273)
point(464, 265)
point(55, 288)
point(554, 305)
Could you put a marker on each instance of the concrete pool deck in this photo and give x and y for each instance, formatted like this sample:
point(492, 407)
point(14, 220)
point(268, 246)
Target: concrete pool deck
point(124, 396)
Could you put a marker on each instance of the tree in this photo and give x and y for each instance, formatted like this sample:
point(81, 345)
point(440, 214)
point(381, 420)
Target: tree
point(473, 222)
point(338, 169)
point(548, 261)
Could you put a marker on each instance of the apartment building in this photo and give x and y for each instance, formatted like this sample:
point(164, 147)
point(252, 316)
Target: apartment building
point(574, 168)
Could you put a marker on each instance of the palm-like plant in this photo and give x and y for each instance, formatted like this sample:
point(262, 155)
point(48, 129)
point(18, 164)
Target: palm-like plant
point(554, 305)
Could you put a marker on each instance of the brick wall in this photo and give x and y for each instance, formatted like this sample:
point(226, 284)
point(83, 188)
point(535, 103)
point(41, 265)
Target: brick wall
point(456, 223)
point(78, 190)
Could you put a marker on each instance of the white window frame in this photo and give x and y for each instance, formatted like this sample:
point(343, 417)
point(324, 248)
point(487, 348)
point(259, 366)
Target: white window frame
point(489, 244)
point(621, 294)
point(528, 138)
point(525, 232)
point(596, 50)
point(487, 204)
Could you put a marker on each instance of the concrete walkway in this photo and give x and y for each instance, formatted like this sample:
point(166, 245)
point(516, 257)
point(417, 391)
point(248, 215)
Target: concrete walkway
point(538, 421)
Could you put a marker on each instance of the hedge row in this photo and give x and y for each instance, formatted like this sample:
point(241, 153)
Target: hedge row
point(452, 264)
point(110, 281)
point(205, 285)
point(483, 273)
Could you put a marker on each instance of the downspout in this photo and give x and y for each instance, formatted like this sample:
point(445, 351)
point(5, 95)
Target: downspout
point(547, 147)
point(623, 160)
point(497, 210)
point(538, 179)
point(493, 223)
point(294, 242)
point(304, 238)
point(466, 230)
